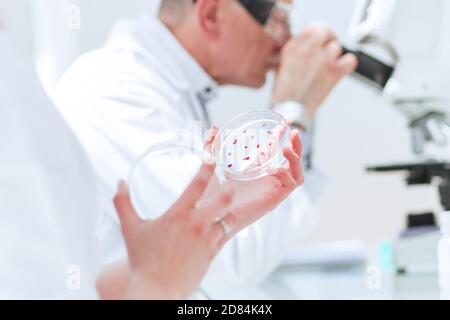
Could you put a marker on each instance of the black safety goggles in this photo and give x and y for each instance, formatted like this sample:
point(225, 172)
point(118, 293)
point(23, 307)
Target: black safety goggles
point(258, 9)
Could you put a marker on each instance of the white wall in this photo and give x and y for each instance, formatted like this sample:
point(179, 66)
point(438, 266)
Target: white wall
point(20, 28)
point(64, 29)
point(355, 127)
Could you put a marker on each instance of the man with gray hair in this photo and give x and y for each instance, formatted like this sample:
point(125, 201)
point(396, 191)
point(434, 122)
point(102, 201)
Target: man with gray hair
point(153, 80)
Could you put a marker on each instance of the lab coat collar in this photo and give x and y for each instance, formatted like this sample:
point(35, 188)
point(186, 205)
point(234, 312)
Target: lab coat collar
point(187, 72)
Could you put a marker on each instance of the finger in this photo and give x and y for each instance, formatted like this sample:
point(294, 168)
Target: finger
point(127, 215)
point(195, 190)
point(214, 210)
point(322, 34)
point(211, 137)
point(278, 131)
point(347, 63)
point(297, 144)
point(334, 50)
point(218, 236)
point(295, 165)
point(209, 144)
point(275, 136)
point(286, 179)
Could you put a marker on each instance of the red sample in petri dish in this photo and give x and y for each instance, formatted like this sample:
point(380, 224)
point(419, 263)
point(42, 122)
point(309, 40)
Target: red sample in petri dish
point(256, 140)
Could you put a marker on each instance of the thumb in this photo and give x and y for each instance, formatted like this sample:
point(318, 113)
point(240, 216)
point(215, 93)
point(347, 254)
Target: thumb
point(209, 145)
point(210, 138)
point(347, 63)
point(127, 215)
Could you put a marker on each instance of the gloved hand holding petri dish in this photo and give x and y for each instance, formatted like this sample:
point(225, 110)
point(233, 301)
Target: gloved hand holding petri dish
point(249, 147)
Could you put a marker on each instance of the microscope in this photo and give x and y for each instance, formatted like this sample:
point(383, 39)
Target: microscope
point(403, 48)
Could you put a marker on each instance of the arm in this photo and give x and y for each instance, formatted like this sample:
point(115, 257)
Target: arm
point(114, 280)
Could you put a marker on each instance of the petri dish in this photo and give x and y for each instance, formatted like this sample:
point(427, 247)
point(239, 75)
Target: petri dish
point(161, 175)
point(251, 145)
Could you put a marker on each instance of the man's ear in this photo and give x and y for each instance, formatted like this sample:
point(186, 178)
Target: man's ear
point(207, 12)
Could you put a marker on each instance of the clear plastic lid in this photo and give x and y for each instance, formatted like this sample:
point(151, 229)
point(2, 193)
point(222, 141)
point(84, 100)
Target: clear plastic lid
point(161, 175)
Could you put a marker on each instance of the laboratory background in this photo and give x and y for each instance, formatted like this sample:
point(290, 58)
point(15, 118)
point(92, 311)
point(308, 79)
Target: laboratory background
point(357, 128)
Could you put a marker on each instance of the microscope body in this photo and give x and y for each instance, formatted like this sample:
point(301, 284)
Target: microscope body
point(413, 37)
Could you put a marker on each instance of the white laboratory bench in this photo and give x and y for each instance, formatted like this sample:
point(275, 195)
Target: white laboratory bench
point(343, 284)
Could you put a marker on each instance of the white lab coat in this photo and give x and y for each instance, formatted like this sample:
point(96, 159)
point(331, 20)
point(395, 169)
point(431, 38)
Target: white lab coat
point(48, 202)
point(144, 87)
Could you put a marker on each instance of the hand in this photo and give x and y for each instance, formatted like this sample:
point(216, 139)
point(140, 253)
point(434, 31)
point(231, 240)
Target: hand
point(256, 198)
point(311, 66)
point(169, 256)
point(253, 199)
